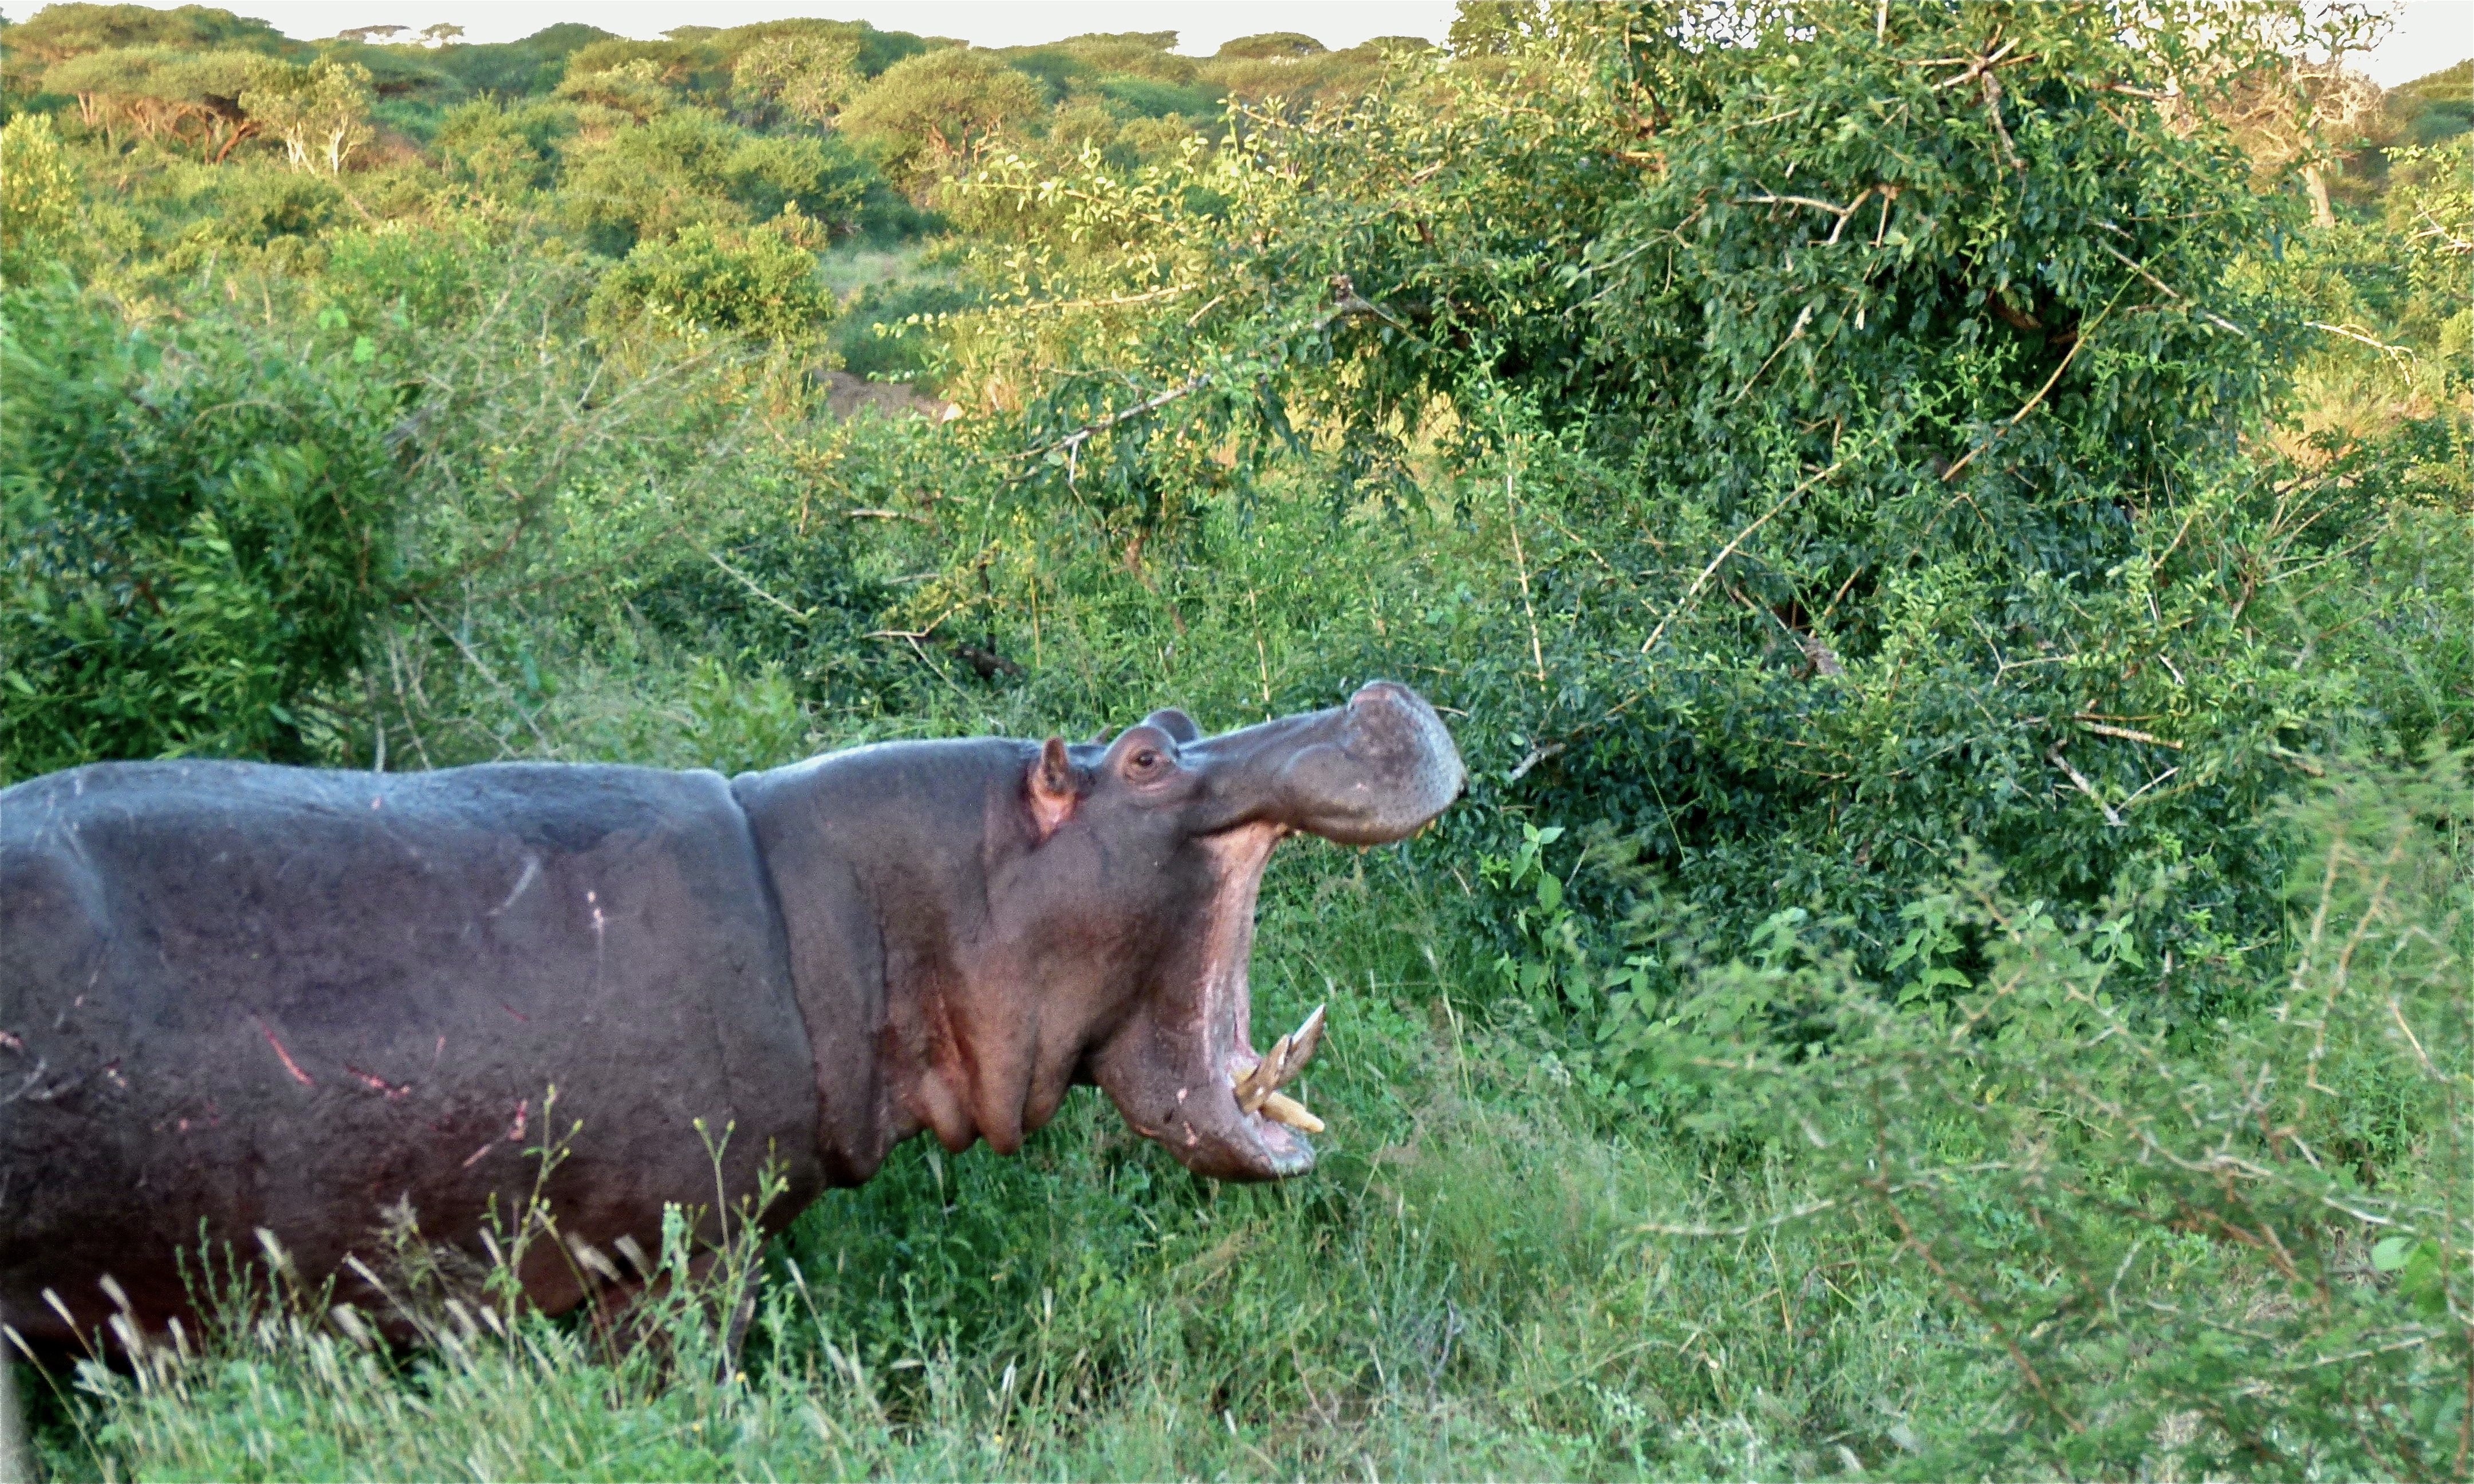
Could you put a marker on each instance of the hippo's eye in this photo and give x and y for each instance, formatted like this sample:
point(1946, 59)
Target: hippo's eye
point(1146, 763)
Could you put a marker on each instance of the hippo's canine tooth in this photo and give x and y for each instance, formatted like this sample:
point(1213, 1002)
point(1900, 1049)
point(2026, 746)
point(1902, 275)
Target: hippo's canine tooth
point(1274, 1069)
point(1301, 1043)
point(1262, 1078)
point(1280, 1107)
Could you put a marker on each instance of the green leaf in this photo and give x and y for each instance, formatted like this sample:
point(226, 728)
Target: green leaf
point(2391, 1253)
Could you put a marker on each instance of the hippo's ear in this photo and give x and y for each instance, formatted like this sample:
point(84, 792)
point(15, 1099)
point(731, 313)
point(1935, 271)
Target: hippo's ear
point(1054, 787)
point(1180, 727)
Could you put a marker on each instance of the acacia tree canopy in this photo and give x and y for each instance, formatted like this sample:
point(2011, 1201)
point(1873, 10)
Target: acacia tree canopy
point(931, 109)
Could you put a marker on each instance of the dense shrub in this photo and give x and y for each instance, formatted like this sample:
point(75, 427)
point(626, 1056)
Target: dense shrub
point(38, 201)
point(1886, 450)
point(690, 166)
point(516, 69)
point(505, 149)
point(752, 282)
point(2082, 1184)
point(928, 111)
point(201, 529)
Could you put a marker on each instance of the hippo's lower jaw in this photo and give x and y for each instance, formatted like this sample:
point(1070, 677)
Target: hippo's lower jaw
point(1191, 1079)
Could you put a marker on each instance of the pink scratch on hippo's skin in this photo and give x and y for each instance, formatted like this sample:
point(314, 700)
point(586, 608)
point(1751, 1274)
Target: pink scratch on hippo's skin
point(514, 1133)
point(289, 1065)
point(10, 1040)
point(391, 1090)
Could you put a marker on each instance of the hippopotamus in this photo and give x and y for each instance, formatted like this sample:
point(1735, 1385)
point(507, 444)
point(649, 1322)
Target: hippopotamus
point(241, 998)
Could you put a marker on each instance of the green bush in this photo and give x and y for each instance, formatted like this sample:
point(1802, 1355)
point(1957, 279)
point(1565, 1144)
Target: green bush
point(806, 75)
point(504, 148)
point(928, 111)
point(278, 217)
point(1840, 523)
point(688, 167)
point(751, 283)
point(2243, 1257)
point(38, 201)
point(518, 69)
point(201, 529)
point(58, 33)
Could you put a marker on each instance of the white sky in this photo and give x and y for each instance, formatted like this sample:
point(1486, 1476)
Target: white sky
point(2430, 34)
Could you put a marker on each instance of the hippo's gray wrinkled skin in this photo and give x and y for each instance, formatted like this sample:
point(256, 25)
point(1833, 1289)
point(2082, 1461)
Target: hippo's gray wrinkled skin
point(236, 997)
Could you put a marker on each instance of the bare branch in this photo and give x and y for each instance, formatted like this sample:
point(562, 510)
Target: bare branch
point(2080, 781)
point(1729, 550)
point(2126, 733)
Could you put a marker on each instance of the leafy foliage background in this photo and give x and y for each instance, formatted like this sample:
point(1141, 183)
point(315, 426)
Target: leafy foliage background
point(1944, 535)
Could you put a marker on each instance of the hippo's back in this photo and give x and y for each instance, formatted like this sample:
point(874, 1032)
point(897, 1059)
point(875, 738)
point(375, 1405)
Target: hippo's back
point(279, 997)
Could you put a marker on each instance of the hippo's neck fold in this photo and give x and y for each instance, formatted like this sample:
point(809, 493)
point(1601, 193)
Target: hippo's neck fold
point(836, 965)
point(876, 861)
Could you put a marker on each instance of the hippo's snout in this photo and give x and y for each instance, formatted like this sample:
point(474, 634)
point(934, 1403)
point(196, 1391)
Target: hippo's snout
point(1386, 768)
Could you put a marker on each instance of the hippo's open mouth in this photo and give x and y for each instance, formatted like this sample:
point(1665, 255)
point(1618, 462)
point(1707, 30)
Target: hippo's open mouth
point(1231, 1111)
point(1183, 1068)
point(1250, 1081)
point(1189, 1077)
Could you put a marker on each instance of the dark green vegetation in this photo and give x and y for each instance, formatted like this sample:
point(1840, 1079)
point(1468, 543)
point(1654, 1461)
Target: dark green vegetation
point(1946, 534)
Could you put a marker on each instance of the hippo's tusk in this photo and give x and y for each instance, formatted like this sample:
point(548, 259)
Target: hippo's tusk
point(1274, 1069)
point(1301, 1043)
point(1280, 1107)
point(1262, 1078)
point(1258, 1090)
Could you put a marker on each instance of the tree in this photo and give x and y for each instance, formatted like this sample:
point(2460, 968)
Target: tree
point(809, 76)
point(878, 50)
point(504, 150)
point(1270, 44)
point(2294, 118)
point(1915, 356)
point(163, 93)
point(321, 113)
point(636, 87)
point(57, 33)
point(928, 111)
